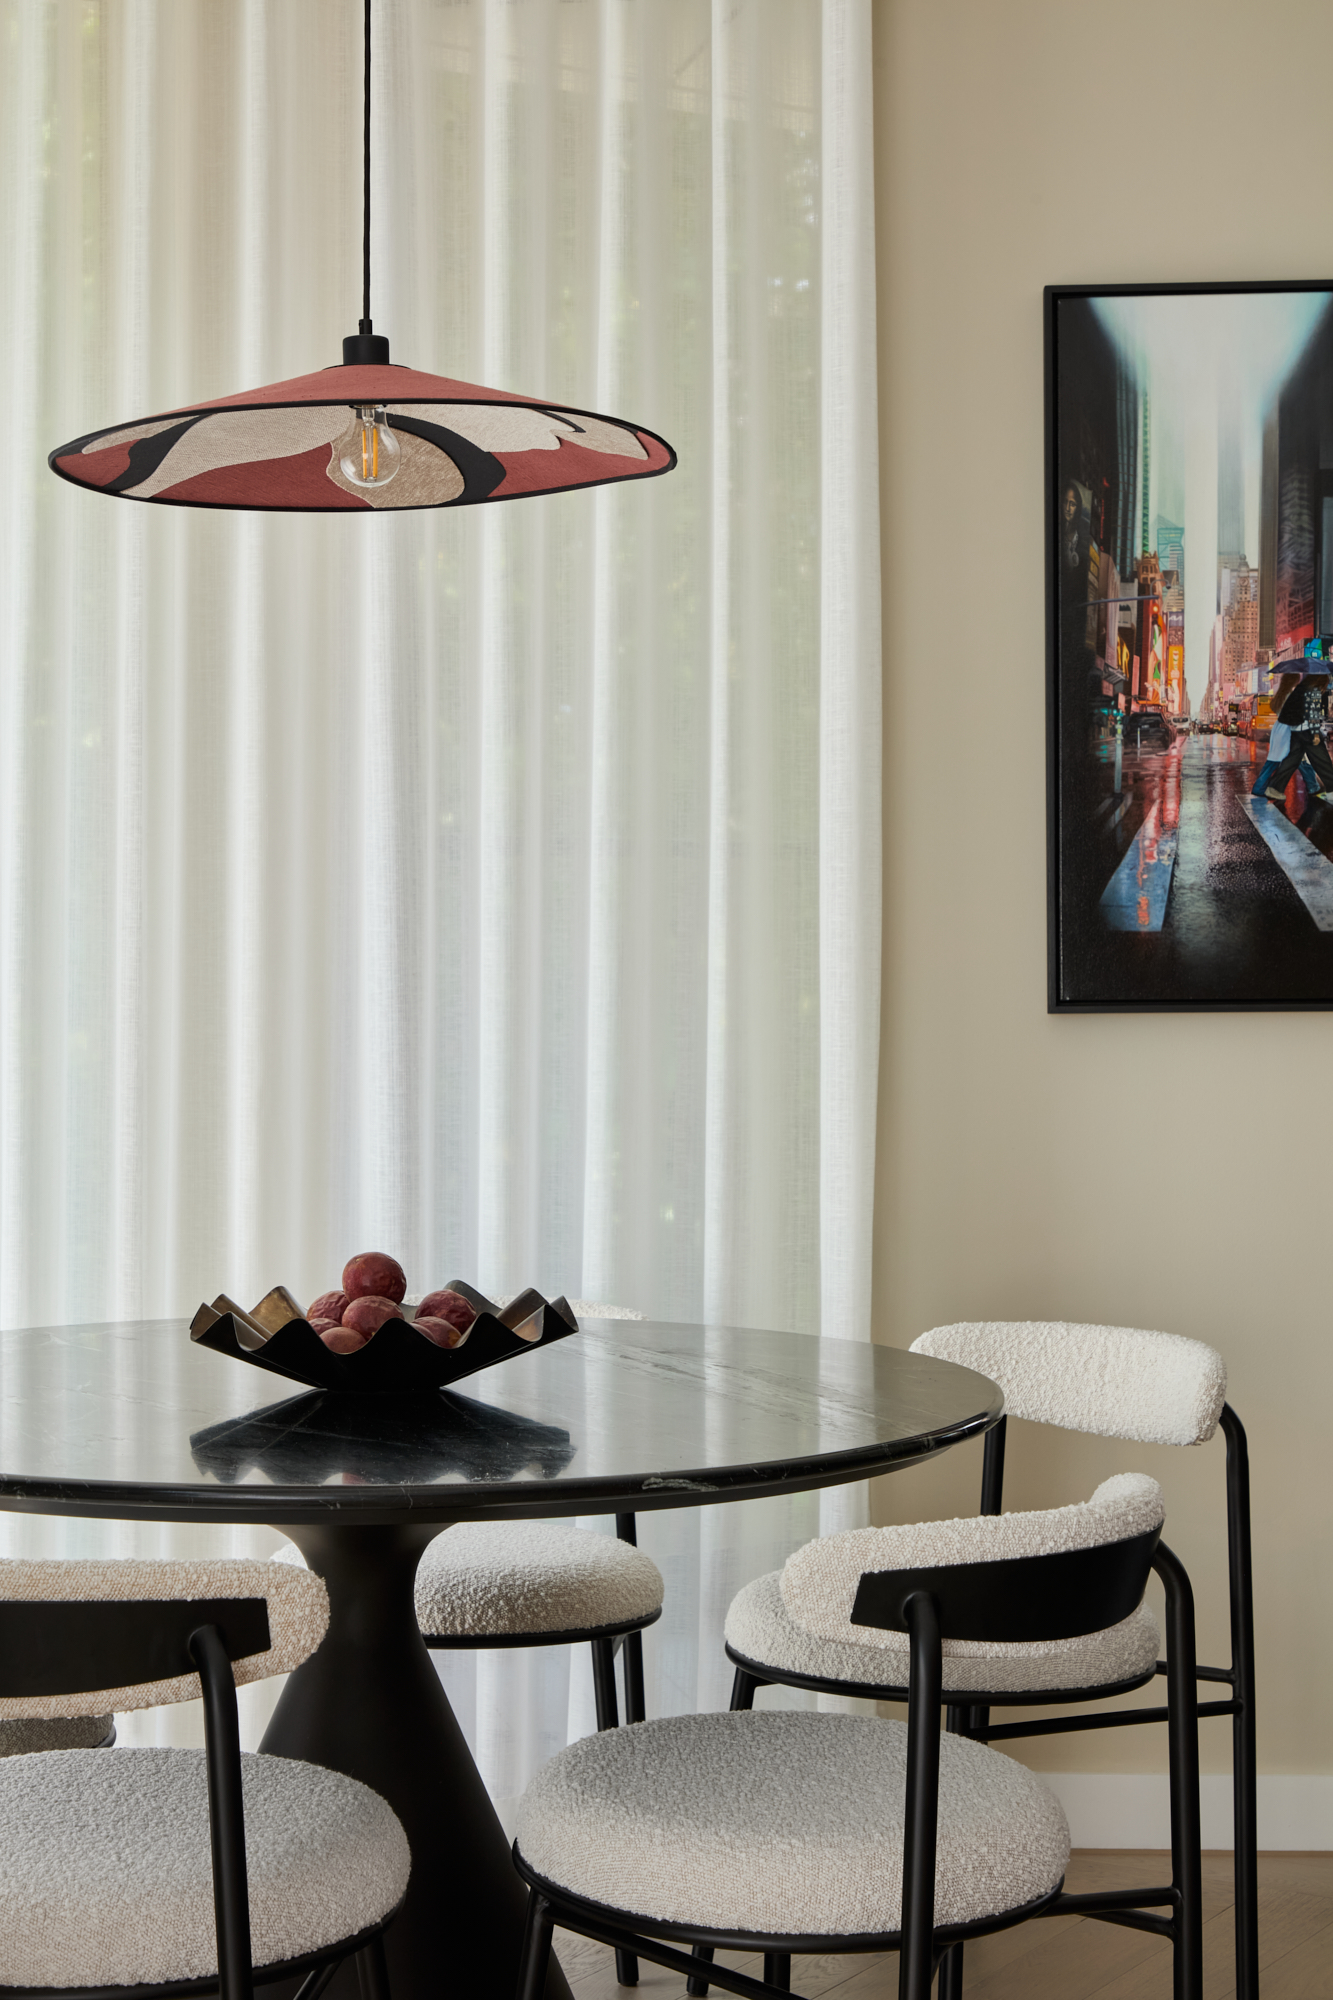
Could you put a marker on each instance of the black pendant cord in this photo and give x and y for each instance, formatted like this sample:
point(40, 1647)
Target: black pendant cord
point(365, 346)
point(365, 229)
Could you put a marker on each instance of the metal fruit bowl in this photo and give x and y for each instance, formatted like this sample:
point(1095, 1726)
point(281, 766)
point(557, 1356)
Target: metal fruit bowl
point(275, 1336)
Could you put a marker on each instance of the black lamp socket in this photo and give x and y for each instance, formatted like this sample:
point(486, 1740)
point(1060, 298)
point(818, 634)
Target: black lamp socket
point(365, 348)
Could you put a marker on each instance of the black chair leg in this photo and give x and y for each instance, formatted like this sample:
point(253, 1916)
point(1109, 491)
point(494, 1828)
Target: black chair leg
point(1244, 1755)
point(627, 1968)
point(959, 1722)
point(627, 1964)
point(635, 1710)
point(1182, 1740)
point(372, 1971)
point(1246, 1836)
point(604, 1683)
point(742, 1689)
point(696, 1985)
point(950, 1985)
point(777, 1969)
point(536, 1954)
point(604, 1694)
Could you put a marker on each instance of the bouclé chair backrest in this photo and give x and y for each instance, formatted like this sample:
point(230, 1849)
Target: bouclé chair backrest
point(1111, 1381)
point(56, 1618)
point(822, 1582)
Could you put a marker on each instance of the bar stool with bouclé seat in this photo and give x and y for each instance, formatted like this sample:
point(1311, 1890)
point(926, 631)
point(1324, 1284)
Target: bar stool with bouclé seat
point(484, 1584)
point(813, 1833)
point(177, 1871)
point(1119, 1382)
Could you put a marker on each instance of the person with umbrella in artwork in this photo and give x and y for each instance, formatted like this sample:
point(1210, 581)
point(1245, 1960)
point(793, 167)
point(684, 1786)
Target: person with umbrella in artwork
point(1305, 712)
point(1279, 741)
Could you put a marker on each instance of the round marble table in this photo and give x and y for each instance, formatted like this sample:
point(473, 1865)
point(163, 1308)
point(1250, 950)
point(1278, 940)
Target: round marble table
point(133, 1421)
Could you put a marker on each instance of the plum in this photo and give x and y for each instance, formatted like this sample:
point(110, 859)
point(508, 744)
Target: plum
point(451, 1306)
point(328, 1306)
point(442, 1332)
point(373, 1275)
point(367, 1315)
point(343, 1339)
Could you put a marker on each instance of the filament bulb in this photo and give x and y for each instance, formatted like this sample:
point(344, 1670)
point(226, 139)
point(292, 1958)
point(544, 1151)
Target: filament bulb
point(368, 451)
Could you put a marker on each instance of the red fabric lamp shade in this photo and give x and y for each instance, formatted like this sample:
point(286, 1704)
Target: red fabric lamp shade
point(277, 448)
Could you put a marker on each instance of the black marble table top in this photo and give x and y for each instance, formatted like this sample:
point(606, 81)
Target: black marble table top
point(135, 1421)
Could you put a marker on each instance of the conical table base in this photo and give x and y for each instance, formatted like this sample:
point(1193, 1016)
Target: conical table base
point(369, 1703)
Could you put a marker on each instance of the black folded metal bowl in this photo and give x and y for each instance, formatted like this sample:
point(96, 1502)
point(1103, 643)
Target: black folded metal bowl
point(397, 1358)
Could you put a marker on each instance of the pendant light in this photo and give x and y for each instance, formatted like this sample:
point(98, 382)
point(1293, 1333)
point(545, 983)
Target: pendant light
point(359, 437)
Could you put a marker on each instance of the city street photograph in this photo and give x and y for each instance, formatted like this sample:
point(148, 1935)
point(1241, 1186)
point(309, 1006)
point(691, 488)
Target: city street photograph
point(1190, 646)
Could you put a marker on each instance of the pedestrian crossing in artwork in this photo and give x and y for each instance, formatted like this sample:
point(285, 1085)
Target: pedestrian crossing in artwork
point(1309, 872)
point(1138, 895)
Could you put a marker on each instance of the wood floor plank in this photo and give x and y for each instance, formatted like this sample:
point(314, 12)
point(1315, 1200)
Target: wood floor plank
point(1080, 1962)
point(1067, 1958)
point(591, 1971)
point(1311, 1872)
point(1287, 1919)
point(1127, 1869)
point(875, 1977)
point(1305, 1973)
point(820, 1977)
point(1152, 1979)
point(983, 1957)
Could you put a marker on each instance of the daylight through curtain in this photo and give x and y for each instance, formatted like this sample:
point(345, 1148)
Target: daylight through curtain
point(497, 887)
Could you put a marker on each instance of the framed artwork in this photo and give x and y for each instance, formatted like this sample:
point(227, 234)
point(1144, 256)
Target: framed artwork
point(1189, 474)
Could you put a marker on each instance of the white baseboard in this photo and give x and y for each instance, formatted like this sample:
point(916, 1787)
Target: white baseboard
point(1113, 1809)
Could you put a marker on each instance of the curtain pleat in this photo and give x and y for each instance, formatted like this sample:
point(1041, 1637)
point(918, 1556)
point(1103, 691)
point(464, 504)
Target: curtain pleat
point(496, 887)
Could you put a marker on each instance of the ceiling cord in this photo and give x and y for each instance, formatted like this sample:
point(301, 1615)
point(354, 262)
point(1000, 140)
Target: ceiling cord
point(365, 232)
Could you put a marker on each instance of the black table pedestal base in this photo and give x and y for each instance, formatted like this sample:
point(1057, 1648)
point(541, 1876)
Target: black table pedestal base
point(370, 1703)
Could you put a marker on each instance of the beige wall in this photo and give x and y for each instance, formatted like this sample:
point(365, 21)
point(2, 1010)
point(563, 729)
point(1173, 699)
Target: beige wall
point(1153, 1171)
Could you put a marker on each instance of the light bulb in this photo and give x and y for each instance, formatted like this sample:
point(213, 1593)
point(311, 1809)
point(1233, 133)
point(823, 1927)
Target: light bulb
point(368, 451)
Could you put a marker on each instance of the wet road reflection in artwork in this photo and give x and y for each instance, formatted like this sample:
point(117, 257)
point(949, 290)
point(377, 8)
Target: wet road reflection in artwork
point(1193, 886)
point(1309, 872)
point(1135, 898)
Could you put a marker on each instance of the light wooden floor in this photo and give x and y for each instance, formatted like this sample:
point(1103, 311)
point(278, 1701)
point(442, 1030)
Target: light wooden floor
point(1069, 1958)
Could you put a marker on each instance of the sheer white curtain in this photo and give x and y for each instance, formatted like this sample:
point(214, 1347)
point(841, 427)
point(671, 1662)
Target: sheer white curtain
point(497, 887)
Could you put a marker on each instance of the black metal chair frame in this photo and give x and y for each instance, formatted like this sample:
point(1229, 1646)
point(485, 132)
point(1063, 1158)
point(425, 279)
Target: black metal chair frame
point(1033, 1597)
point(606, 1641)
point(57, 1646)
point(972, 1718)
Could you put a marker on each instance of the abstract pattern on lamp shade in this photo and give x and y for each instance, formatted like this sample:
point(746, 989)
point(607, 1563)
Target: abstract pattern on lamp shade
point(276, 447)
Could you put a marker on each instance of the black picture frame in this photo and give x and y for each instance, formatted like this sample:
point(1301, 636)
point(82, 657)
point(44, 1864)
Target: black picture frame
point(1170, 888)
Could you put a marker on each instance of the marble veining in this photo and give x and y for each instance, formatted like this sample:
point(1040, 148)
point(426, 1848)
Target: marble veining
point(134, 1420)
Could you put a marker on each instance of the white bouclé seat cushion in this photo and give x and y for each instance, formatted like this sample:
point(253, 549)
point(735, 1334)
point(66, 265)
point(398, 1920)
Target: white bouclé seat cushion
point(761, 1629)
point(1111, 1381)
point(502, 1579)
point(105, 1875)
point(783, 1823)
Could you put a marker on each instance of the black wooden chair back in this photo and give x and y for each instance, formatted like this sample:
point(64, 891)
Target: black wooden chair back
point(57, 1646)
point(1020, 1599)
